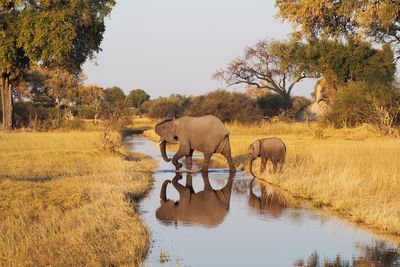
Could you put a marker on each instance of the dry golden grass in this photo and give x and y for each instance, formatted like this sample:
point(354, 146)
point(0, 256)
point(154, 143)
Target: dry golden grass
point(65, 203)
point(353, 171)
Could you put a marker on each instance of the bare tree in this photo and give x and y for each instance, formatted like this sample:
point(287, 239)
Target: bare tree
point(275, 66)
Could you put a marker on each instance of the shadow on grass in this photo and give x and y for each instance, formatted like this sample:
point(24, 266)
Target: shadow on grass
point(28, 179)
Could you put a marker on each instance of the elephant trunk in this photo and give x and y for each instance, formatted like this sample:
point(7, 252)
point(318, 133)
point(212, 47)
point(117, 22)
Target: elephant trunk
point(163, 193)
point(163, 149)
point(251, 166)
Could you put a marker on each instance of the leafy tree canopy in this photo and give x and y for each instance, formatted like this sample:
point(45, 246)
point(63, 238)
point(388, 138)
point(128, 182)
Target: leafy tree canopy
point(114, 95)
point(342, 62)
point(65, 33)
point(376, 20)
point(137, 97)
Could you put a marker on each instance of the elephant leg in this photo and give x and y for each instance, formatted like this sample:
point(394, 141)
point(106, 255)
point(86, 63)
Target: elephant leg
point(275, 164)
point(206, 180)
point(280, 166)
point(181, 152)
point(281, 162)
point(207, 157)
point(189, 183)
point(227, 154)
point(263, 165)
point(189, 160)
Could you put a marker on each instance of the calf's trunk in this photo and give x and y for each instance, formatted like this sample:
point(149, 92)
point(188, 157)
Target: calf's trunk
point(251, 167)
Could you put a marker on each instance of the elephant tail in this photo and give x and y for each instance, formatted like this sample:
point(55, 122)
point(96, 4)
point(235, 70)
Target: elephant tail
point(283, 157)
point(223, 144)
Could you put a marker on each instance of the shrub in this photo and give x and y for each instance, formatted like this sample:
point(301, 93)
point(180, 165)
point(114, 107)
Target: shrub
point(165, 106)
point(84, 111)
point(358, 103)
point(225, 105)
point(299, 106)
point(272, 104)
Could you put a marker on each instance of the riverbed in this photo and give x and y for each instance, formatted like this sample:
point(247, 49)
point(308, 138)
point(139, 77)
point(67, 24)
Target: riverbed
point(215, 219)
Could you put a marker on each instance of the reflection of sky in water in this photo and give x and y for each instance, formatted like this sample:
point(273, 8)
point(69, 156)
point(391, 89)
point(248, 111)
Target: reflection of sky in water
point(275, 236)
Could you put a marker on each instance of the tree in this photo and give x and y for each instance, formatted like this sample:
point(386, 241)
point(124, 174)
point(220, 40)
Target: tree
point(274, 66)
point(46, 32)
point(136, 98)
point(114, 95)
point(93, 95)
point(59, 84)
point(376, 20)
point(344, 62)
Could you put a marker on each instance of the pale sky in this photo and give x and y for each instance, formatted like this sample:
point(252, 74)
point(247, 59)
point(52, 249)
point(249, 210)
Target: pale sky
point(174, 46)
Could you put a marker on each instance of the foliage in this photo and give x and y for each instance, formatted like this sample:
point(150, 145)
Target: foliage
point(165, 106)
point(92, 96)
point(84, 111)
point(51, 33)
point(57, 86)
point(343, 62)
point(272, 104)
point(114, 95)
point(375, 20)
point(357, 103)
point(136, 98)
point(225, 105)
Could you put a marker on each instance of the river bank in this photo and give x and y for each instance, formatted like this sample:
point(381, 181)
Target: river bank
point(66, 200)
point(355, 172)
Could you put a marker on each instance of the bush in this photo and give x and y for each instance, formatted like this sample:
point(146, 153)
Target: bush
point(84, 111)
point(225, 105)
point(299, 107)
point(275, 106)
point(36, 117)
point(165, 106)
point(359, 103)
point(22, 112)
point(272, 104)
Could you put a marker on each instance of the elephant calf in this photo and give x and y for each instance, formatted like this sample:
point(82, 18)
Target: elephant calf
point(272, 149)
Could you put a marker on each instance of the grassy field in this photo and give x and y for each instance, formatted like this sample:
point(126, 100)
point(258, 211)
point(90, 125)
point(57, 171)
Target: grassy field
point(66, 202)
point(353, 171)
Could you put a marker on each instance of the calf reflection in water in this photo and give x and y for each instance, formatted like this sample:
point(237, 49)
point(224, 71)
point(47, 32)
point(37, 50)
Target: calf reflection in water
point(270, 202)
point(208, 207)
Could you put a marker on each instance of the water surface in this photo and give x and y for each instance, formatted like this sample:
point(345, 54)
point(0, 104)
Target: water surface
point(218, 220)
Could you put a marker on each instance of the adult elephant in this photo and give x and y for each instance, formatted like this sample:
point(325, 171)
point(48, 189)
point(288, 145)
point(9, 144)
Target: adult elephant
point(207, 207)
point(206, 134)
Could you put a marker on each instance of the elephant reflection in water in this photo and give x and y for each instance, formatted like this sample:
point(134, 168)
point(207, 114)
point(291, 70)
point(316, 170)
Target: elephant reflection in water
point(270, 202)
point(208, 207)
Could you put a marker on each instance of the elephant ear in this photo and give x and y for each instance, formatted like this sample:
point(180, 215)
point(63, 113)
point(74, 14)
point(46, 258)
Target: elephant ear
point(166, 130)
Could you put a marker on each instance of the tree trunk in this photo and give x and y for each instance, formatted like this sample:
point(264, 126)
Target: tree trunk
point(287, 99)
point(7, 102)
point(96, 116)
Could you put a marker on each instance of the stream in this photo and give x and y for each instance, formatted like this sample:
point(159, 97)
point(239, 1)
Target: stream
point(218, 220)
